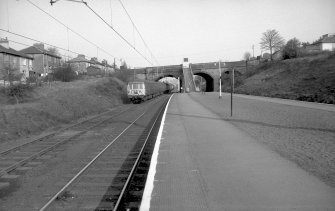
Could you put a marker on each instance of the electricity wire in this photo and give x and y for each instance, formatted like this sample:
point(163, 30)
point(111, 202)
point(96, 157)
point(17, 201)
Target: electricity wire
point(124, 39)
point(20, 43)
point(138, 31)
point(68, 28)
point(35, 40)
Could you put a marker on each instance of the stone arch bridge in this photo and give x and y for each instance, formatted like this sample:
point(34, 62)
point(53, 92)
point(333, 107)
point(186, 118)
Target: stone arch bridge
point(209, 71)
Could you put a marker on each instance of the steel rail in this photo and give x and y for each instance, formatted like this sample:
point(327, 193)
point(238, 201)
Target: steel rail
point(56, 132)
point(116, 206)
point(88, 165)
point(45, 150)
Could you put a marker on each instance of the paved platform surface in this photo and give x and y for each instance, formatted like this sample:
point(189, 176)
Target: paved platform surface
point(205, 163)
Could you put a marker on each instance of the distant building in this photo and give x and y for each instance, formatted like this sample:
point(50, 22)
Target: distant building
point(44, 61)
point(326, 43)
point(107, 67)
point(14, 59)
point(80, 64)
point(99, 68)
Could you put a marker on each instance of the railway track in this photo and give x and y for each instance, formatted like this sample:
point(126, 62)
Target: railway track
point(18, 156)
point(104, 182)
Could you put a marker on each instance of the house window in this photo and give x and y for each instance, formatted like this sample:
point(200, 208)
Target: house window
point(24, 62)
point(30, 62)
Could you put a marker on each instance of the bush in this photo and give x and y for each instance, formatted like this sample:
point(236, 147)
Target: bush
point(49, 78)
point(64, 74)
point(18, 90)
point(291, 49)
point(32, 79)
point(122, 75)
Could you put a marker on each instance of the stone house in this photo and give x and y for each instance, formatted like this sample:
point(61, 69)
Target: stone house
point(17, 60)
point(44, 61)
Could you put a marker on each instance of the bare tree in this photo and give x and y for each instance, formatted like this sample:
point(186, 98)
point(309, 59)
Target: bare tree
point(271, 40)
point(246, 56)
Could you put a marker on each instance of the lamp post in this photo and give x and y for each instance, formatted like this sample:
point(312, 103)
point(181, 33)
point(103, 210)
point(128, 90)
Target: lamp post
point(220, 95)
point(232, 91)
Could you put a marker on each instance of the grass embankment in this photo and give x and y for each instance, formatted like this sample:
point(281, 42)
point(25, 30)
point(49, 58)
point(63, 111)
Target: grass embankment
point(48, 107)
point(307, 79)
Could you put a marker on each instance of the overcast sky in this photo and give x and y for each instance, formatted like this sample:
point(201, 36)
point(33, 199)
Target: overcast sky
point(202, 30)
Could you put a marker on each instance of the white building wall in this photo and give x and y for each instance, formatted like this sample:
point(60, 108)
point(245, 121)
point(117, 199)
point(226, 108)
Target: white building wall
point(328, 46)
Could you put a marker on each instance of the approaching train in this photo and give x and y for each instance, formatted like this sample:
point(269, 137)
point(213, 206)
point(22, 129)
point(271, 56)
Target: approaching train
point(139, 91)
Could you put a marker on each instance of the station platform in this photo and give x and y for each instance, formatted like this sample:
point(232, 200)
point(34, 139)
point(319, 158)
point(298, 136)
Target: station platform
point(202, 162)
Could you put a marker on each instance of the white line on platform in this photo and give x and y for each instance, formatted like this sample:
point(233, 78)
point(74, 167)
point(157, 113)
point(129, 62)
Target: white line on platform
point(149, 185)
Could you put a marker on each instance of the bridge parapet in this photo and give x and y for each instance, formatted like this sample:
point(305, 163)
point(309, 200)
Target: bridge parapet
point(209, 71)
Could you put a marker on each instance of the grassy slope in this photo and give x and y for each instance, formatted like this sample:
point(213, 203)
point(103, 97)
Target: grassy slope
point(50, 106)
point(309, 79)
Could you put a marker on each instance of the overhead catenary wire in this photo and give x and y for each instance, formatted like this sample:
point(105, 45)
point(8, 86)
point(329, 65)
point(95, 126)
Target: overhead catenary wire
point(124, 39)
point(20, 43)
point(70, 29)
point(138, 31)
point(35, 40)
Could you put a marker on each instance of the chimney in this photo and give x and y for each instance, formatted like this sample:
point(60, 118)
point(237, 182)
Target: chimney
point(39, 46)
point(4, 42)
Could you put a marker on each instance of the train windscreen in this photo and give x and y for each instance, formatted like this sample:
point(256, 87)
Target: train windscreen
point(137, 86)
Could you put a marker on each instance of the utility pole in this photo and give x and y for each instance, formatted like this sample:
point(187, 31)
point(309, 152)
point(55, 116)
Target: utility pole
point(253, 51)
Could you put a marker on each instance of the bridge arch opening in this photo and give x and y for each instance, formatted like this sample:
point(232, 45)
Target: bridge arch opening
point(204, 82)
point(172, 80)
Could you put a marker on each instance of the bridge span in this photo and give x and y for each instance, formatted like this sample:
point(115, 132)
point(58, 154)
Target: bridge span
point(209, 71)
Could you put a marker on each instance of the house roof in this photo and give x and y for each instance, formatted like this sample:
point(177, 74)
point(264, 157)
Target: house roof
point(11, 51)
point(34, 50)
point(79, 59)
point(96, 62)
point(328, 40)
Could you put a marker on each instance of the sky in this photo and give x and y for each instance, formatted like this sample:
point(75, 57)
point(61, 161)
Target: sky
point(201, 30)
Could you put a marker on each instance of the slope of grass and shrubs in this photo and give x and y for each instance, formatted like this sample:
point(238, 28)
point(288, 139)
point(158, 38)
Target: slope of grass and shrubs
point(309, 78)
point(28, 109)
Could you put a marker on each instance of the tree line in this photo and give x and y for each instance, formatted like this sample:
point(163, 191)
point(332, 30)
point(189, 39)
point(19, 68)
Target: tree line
point(272, 41)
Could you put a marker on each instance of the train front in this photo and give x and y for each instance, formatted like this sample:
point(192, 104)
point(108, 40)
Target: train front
point(136, 91)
